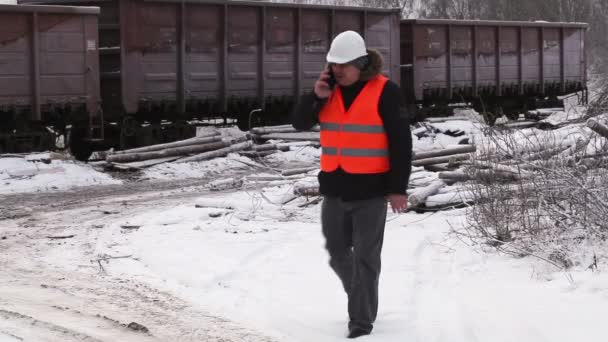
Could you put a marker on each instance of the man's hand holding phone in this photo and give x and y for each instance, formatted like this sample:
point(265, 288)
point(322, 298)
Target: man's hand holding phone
point(324, 85)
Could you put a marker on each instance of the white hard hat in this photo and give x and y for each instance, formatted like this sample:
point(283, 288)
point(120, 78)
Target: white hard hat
point(346, 47)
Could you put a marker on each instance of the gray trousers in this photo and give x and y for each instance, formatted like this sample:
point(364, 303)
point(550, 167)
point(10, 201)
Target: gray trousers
point(354, 233)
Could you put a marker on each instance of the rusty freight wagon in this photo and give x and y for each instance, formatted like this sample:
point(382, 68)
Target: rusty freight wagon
point(174, 61)
point(496, 65)
point(48, 74)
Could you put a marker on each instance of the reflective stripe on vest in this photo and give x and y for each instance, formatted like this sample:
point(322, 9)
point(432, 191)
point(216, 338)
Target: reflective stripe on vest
point(355, 152)
point(354, 140)
point(353, 128)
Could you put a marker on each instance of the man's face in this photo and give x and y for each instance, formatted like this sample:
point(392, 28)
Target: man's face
point(346, 74)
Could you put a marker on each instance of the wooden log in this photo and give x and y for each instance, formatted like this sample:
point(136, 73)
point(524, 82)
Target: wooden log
point(440, 160)
point(295, 144)
point(222, 152)
point(540, 114)
point(280, 129)
point(151, 162)
point(491, 175)
point(447, 118)
point(257, 154)
point(262, 130)
point(121, 167)
point(443, 167)
point(598, 127)
point(225, 184)
point(274, 127)
point(550, 110)
point(270, 147)
point(299, 136)
point(139, 156)
point(298, 171)
point(309, 190)
point(208, 138)
point(500, 167)
point(444, 152)
point(418, 197)
point(60, 237)
point(12, 155)
point(518, 124)
point(454, 176)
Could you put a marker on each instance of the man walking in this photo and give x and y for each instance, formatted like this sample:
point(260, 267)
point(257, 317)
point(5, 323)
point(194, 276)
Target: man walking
point(365, 162)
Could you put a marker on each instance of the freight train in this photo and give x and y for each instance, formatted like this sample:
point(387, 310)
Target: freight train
point(495, 65)
point(137, 72)
point(48, 75)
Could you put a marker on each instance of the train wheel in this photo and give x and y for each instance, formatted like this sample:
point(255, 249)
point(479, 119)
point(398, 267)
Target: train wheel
point(242, 122)
point(79, 147)
point(128, 133)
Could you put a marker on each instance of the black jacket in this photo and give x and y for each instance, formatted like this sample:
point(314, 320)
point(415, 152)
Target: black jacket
point(396, 124)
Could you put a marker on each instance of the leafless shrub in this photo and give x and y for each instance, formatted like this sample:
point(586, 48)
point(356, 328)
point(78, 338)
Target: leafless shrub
point(539, 194)
point(599, 103)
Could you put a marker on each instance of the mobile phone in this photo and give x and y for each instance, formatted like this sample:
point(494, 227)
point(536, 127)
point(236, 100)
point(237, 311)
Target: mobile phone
point(331, 81)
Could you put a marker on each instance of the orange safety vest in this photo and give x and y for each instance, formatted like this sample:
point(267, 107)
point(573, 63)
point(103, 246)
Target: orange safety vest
point(354, 140)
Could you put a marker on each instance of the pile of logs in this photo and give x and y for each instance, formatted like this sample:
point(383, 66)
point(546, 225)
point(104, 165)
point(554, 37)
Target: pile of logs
point(435, 173)
point(259, 142)
point(441, 190)
point(203, 147)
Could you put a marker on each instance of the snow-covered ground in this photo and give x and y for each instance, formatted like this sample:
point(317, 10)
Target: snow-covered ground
point(265, 265)
point(32, 174)
point(242, 257)
point(249, 265)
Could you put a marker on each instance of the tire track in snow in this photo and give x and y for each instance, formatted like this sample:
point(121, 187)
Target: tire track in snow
point(39, 330)
point(435, 313)
point(70, 281)
point(247, 261)
point(414, 282)
point(442, 291)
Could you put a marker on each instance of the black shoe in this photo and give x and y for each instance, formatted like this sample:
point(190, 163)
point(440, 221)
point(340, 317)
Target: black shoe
point(357, 332)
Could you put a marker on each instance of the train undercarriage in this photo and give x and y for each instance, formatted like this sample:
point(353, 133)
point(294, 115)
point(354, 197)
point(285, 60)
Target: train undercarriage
point(122, 131)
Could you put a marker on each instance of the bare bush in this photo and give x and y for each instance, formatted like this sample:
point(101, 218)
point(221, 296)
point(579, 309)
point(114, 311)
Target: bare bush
point(552, 203)
point(599, 100)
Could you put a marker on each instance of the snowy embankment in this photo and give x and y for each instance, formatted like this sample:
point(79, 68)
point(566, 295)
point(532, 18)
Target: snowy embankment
point(40, 173)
